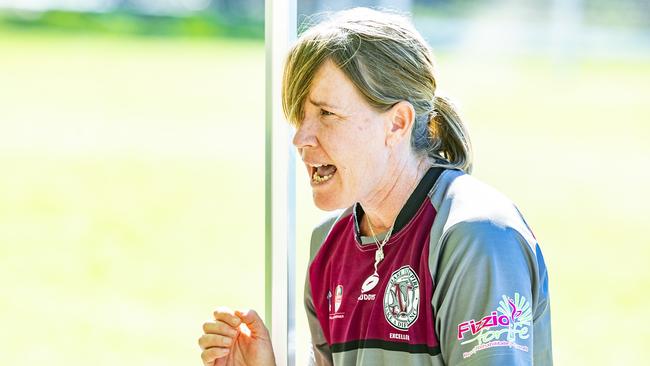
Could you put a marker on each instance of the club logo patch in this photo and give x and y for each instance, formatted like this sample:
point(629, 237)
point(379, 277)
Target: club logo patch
point(402, 298)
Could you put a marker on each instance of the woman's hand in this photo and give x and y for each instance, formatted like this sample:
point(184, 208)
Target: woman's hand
point(236, 339)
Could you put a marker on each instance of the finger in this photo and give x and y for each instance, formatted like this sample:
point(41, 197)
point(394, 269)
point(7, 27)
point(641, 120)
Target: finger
point(252, 321)
point(219, 327)
point(214, 340)
point(227, 316)
point(209, 355)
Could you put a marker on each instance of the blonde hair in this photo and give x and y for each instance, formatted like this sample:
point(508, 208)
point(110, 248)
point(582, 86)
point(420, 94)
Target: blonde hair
point(388, 61)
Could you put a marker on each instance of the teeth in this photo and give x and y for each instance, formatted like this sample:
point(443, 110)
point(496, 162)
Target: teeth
point(318, 179)
point(317, 165)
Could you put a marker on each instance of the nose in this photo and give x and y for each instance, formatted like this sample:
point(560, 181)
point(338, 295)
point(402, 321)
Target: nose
point(305, 135)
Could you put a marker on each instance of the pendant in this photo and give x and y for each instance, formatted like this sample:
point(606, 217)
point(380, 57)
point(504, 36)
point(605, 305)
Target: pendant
point(379, 255)
point(370, 283)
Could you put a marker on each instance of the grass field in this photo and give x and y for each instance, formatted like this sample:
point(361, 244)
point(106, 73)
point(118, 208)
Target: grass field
point(131, 197)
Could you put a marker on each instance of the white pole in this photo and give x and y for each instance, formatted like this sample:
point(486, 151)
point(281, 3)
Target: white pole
point(280, 196)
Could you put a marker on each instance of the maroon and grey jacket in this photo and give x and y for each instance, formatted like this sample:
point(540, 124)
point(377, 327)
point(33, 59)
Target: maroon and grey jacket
point(463, 282)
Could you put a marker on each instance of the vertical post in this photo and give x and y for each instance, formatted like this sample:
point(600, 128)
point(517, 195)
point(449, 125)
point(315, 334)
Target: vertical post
point(280, 208)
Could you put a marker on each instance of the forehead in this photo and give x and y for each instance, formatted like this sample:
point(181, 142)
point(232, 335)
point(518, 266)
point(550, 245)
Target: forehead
point(330, 85)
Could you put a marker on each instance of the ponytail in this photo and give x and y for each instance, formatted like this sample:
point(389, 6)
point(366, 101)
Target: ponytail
point(449, 142)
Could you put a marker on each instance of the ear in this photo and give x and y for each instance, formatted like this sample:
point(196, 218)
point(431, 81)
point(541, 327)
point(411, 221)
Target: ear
point(401, 117)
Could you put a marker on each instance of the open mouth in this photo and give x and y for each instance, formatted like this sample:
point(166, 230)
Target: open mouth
point(321, 173)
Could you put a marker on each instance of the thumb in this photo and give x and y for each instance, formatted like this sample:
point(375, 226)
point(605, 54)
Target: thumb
point(253, 321)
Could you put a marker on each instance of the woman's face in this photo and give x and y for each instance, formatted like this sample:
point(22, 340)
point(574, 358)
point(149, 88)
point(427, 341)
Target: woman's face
point(341, 132)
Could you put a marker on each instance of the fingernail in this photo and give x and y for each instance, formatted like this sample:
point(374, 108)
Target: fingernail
point(227, 341)
point(232, 332)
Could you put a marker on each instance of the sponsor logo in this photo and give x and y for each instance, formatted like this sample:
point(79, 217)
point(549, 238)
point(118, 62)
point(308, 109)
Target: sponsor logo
point(370, 283)
point(338, 298)
point(513, 318)
point(489, 321)
point(366, 297)
point(402, 298)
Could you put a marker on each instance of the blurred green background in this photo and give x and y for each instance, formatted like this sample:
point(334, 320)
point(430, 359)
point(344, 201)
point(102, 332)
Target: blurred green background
point(132, 160)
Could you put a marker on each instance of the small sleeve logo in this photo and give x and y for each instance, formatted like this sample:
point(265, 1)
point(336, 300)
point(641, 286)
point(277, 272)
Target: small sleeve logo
point(329, 301)
point(338, 298)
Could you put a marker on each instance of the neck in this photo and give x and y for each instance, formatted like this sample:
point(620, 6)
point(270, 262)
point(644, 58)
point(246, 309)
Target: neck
point(383, 206)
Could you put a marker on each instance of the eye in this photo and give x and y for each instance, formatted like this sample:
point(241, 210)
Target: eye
point(324, 112)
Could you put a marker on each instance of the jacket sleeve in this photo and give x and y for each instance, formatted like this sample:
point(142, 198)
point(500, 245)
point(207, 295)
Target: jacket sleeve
point(320, 353)
point(485, 288)
point(320, 350)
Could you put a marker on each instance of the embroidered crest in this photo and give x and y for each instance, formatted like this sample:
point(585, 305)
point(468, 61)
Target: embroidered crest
point(402, 298)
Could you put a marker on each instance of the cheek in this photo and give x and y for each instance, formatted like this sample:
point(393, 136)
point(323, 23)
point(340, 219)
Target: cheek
point(352, 148)
point(347, 152)
point(356, 163)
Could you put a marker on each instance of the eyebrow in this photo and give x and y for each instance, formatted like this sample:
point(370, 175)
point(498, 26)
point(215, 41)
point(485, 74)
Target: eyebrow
point(322, 104)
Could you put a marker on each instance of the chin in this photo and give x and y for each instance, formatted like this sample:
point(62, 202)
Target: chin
point(326, 203)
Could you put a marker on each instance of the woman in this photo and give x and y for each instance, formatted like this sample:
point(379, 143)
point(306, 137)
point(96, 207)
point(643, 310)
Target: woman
point(425, 265)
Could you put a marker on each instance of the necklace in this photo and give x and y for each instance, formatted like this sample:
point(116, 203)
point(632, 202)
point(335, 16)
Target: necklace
point(373, 279)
